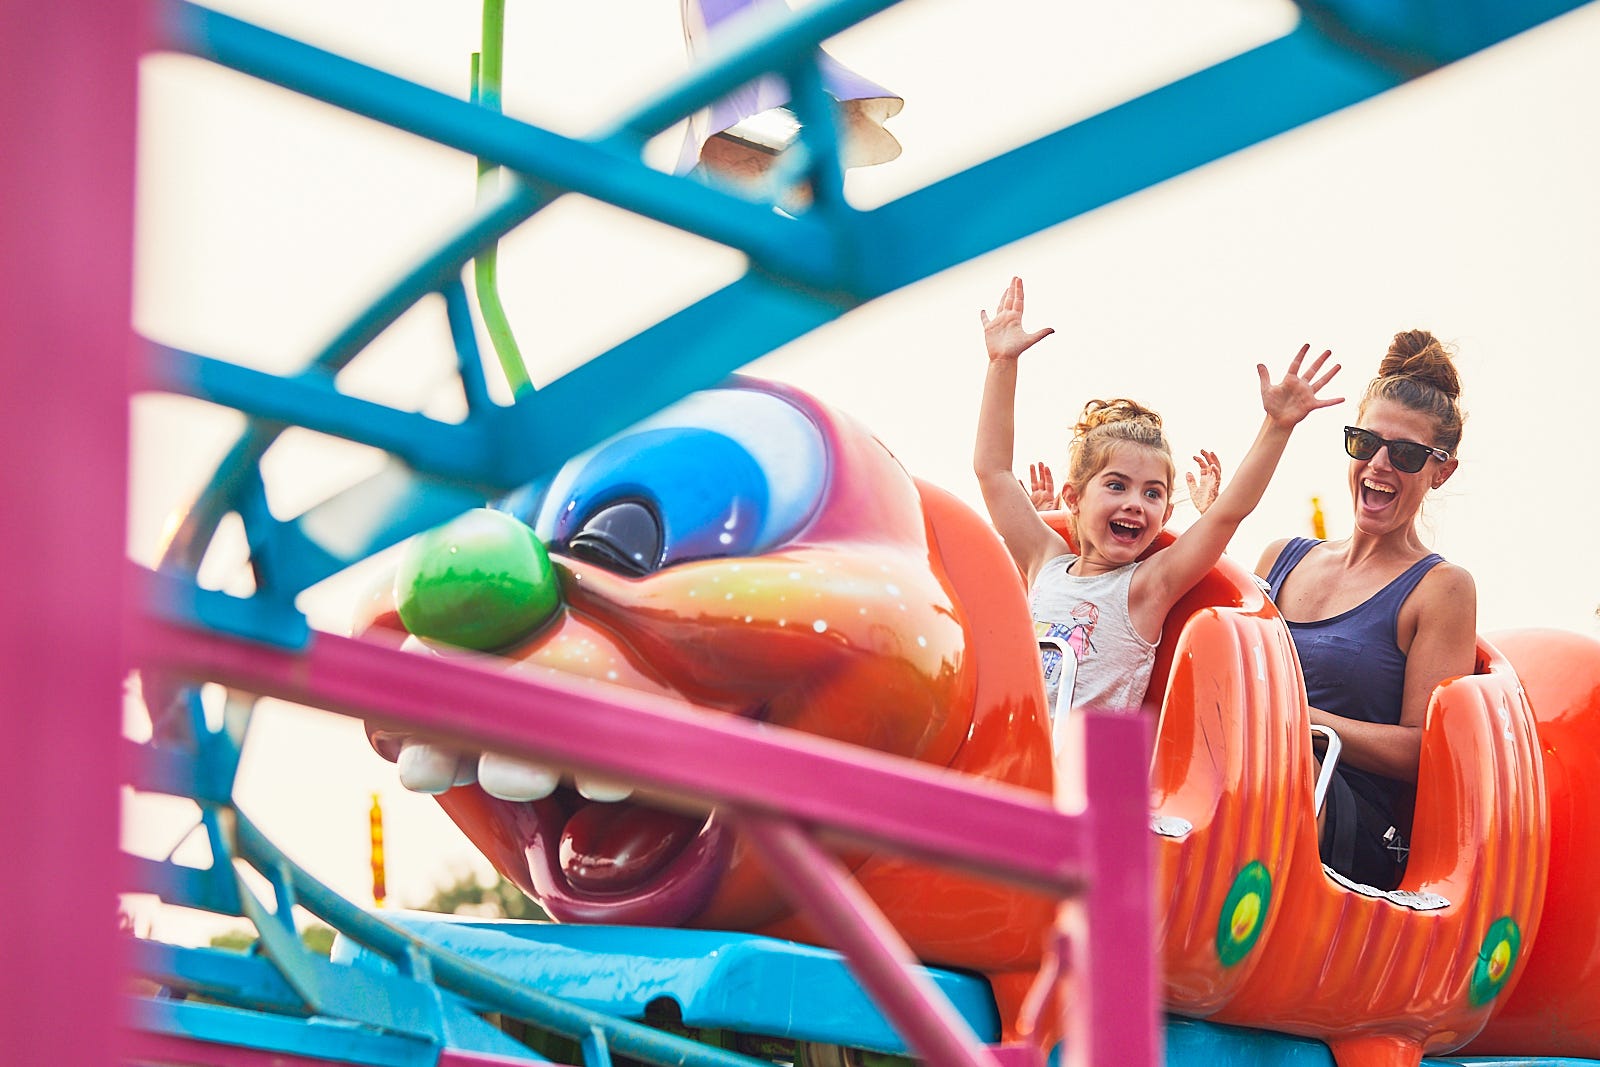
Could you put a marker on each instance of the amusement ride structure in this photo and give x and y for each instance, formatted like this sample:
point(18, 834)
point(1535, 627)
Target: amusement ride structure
point(819, 637)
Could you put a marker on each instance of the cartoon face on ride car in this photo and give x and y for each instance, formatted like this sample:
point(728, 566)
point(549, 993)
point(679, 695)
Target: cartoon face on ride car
point(752, 553)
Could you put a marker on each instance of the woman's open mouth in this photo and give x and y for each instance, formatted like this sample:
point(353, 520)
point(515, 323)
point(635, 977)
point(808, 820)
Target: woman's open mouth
point(1375, 496)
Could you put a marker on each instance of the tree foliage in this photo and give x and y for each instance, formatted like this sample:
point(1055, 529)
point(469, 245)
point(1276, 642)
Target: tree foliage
point(315, 936)
point(467, 895)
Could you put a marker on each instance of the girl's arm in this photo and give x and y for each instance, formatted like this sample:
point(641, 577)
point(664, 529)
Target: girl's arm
point(1174, 571)
point(1031, 542)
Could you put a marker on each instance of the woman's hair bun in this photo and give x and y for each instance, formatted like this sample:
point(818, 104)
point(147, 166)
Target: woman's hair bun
point(1419, 355)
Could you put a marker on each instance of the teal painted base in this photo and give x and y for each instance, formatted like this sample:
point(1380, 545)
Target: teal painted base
point(1192, 1043)
point(756, 985)
point(718, 981)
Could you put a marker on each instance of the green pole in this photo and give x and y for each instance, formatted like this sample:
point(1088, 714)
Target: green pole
point(487, 71)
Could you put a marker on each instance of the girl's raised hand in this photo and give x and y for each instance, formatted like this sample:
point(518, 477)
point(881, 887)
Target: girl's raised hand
point(1291, 400)
point(1003, 334)
point(1043, 491)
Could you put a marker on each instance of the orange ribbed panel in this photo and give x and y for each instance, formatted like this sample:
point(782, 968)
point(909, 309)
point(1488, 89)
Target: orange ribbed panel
point(1384, 983)
point(1223, 749)
point(1555, 1009)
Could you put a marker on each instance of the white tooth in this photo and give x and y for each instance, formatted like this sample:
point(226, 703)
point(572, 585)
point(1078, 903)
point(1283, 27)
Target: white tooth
point(602, 790)
point(426, 768)
point(413, 643)
point(514, 779)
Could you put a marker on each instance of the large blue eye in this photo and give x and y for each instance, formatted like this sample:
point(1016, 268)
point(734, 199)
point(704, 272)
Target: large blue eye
point(726, 472)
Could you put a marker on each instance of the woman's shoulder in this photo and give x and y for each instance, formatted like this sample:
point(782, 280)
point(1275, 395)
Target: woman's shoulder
point(1270, 554)
point(1448, 582)
point(1442, 610)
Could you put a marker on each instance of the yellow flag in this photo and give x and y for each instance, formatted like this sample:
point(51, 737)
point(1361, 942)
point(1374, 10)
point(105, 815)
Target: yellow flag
point(375, 821)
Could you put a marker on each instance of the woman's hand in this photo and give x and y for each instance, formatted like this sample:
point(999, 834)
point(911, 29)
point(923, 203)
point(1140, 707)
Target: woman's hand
point(1003, 334)
point(1203, 490)
point(1289, 401)
point(1043, 488)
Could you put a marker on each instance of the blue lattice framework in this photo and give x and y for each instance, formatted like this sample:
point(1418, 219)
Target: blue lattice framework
point(803, 271)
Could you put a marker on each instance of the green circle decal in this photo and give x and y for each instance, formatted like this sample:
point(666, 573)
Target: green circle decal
point(1497, 957)
point(1244, 912)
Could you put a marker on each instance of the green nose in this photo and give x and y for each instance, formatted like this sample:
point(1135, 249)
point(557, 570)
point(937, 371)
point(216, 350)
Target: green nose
point(481, 581)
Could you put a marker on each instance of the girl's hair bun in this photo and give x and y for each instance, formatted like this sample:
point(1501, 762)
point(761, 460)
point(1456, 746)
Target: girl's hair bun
point(1105, 412)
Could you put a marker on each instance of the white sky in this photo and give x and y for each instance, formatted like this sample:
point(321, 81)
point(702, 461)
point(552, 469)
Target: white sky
point(1463, 203)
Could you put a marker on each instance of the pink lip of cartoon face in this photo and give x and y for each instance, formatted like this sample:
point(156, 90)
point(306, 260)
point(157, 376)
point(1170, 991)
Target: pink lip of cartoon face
point(742, 550)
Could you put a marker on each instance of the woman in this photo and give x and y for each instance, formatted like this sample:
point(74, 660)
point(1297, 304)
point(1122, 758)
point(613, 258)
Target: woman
point(1378, 620)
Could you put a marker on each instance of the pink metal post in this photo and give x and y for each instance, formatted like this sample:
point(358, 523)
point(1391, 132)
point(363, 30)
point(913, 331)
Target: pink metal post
point(67, 102)
point(1120, 906)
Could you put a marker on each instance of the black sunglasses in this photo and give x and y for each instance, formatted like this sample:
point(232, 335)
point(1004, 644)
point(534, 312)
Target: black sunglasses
point(1407, 456)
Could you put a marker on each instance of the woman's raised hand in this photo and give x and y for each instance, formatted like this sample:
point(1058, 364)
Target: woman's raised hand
point(1203, 490)
point(1003, 334)
point(1289, 401)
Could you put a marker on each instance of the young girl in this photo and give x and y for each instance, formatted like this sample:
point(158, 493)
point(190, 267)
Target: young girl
point(1106, 605)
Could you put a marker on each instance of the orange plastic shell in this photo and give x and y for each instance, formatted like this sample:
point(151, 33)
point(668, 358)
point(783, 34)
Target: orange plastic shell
point(1555, 1008)
point(1251, 928)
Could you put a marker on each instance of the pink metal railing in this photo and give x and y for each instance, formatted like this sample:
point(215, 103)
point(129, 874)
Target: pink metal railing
point(67, 96)
point(760, 774)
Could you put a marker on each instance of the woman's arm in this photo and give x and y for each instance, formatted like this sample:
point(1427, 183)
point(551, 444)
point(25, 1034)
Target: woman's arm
point(1031, 542)
point(1443, 613)
point(1270, 556)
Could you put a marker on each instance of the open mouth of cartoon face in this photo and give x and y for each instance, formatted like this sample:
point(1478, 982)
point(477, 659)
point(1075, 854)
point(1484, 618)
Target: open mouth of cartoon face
point(593, 861)
point(581, 844)
point(704, 555)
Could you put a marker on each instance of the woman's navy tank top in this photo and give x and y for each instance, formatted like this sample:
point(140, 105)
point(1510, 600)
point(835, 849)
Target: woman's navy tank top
point(1352, 662)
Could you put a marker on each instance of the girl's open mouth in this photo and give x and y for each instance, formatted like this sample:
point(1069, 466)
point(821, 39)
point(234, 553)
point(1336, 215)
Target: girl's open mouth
point(1125, 532)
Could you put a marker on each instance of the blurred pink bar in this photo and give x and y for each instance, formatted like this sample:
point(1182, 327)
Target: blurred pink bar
point(1012, 835)
point(67, 103)
point(928, 813)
